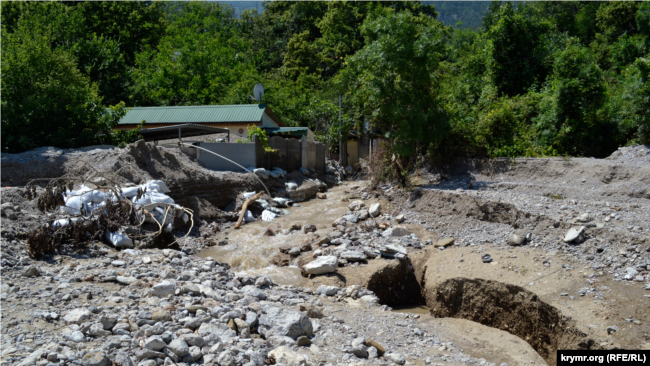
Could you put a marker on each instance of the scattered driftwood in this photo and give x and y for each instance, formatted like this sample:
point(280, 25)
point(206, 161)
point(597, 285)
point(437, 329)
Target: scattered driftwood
point(250, 200)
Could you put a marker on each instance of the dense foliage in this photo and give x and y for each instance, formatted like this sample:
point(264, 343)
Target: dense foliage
point(534, 79)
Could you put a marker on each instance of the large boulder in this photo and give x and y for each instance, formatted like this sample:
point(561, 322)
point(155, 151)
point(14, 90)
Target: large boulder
point(323, 264)
point(286, 322)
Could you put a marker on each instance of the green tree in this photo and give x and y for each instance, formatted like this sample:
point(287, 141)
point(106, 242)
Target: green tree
point(571, 119)
point(393, 78)
point(46, 100)
point(198, 60)
point(518, 46)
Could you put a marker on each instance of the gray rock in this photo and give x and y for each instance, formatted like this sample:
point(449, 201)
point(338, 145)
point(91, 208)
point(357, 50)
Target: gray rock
point(154, 343)
point(327, 290)
point(77, 316)
point(515, 239)
point(216, 349)
point(96, 358)
point(197, 340)
point(126, 280)
point(190, 288)
point(395, 357)
point(219, 330)
point(323, 264)
point(372, 353)
point(75, 336)
point(335, 234)
point(360, 351)
point(108, 322)
point(226, 359)
point(375, 209)
point(164, 288)
point(573, 234)
point(286, 322)
point(353, 256)
point(486, 258)
point(193, 355)
point(356, 205)
point(31, 271)
point(611, 329)
point(148, 363)
point(285, 356)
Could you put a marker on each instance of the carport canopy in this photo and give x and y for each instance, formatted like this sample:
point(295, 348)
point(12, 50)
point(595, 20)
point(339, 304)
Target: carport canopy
point(180, 131)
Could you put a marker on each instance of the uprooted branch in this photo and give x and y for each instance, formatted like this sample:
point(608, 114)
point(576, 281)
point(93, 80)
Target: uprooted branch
point(102, 212)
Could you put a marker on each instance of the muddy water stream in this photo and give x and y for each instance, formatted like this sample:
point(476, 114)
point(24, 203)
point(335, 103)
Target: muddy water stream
point(249, 252)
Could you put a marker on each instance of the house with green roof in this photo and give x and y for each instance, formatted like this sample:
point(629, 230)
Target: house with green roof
point(236, 118)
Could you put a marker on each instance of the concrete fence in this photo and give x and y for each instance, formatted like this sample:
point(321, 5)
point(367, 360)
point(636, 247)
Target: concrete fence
point(290, 155)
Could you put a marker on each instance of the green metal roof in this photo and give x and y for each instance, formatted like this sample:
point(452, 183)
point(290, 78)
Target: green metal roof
point(195, 114)
point(286, 131)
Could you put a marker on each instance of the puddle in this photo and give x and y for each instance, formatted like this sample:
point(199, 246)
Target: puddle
point(250, 253)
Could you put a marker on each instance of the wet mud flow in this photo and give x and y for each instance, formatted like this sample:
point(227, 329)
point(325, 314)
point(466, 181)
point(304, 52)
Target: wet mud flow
point(249, 252)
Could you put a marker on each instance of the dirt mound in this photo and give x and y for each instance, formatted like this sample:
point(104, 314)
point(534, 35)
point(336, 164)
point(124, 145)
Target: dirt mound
point(443, 203)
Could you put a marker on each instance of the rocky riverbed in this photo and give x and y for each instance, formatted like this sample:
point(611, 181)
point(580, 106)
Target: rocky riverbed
point(513, 260)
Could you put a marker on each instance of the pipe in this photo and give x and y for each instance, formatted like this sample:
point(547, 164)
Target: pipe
point(181, 143)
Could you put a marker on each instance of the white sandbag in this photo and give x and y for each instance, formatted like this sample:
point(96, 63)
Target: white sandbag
point(144, 200)
point(263, 203)
point(268, 215)
point(160, 198)
point(291, 185)
point(65, 222)
point(185, 218)
point(73, 205)
point(119, 240)
point(248, 217)
point(248, 194)
point(157, 185)
point(130, 191)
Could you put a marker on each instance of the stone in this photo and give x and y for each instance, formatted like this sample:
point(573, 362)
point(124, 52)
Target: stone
point(216, 349)
point(96, 358)
point(372, 353)
point(190, 288)
point(515, 239)
point(226, 359)
point(303, 341)
point(445, 242)
point(31, 271)
point(327, 290)
point(360, 351)
point(97, 330)
point(162, 316)
point(118, 263)
point(611, 329)
point(399, 218)
point(286, 322)
point(309, 228)
point(77, 316)
point(372, 343)
point(399, 231)
point(194, 340)
point(222, 331)
point(263, 282)
point(322, 264)
point(269, 232)
point(108, 322)
point(126, 280)
point(154, 343)
point(193, 355)
point(335, 234)
point(253, 291)
point(573, 234)
point(585, 217)
point(486, 258)
point(75, 336)
point(353, 256)
point(356, 205)
point(395, 357)
point(375, 209)
point(294, 252)
point(148, 363)
point(321, 195)
point(285, 356)
point(164, 288)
